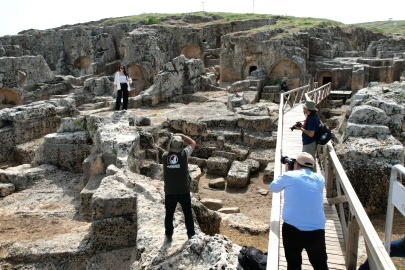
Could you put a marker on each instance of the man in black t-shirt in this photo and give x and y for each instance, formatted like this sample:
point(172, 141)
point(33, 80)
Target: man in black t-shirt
point(177, 183)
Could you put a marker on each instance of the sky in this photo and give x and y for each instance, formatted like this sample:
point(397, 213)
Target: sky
point(16, 16)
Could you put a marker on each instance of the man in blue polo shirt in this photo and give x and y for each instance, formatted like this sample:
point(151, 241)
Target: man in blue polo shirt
point(309, 129)
point(303, 214)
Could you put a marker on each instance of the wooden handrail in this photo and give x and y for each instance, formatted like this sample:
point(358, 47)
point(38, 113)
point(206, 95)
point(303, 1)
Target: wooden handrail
point(274, 234)
point(374, 245)
point(358, 219)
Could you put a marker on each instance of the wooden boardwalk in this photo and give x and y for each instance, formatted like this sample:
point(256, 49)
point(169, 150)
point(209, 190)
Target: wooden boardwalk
point(292, 146)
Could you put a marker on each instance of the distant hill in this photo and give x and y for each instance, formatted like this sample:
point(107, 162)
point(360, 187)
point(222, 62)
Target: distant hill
point(296, 23)
point(385, 26)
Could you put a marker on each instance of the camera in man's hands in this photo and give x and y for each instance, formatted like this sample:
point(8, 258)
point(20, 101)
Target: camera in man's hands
point(289, 161)
point(170, 135)
point(298, 124)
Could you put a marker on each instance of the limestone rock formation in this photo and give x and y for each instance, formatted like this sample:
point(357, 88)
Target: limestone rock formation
point(369, 147)
point(26, 123)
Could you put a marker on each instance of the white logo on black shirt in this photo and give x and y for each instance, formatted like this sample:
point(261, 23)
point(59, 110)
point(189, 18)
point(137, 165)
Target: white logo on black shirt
point(172, 161)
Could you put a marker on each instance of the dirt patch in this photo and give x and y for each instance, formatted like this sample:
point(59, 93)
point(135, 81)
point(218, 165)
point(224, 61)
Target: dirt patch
point(251, 204)
point(398, 231)
point(35, 227)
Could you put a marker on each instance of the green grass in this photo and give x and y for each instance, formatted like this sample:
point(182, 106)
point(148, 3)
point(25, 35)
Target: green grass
point(224, 16)
point(384, 26)
point(295, 24)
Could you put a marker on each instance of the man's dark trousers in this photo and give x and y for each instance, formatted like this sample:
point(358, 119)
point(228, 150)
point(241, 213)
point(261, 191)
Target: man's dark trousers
point(295, 241)
point(171, 203)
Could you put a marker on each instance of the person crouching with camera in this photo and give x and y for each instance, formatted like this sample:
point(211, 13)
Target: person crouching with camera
point(303, 213)
point(177, 182)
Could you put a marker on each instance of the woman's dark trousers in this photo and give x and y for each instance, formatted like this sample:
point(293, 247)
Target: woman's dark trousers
point(124, 94)
point(171, 203)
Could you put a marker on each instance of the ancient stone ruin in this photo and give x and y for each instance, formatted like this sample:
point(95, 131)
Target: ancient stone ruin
point(81, 186)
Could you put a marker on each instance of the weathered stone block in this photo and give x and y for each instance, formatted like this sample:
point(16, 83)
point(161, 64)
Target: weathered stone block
point(367, 163)
point(113, 199)
point(358, 130)
point(368, 115)
point(217, 183)
point(264, 156)
point(200, 162)
point(114, 233)
point(251, 97)
point(229, 210)
point(254, 164)
point(271, 89)
point(65, 150)
point(208, 220)
point(218, 166)
point(86, 195)
point(6, 189)
point(269, 172)
point(260, 139)
point(212, 204)
point(238, 175)
point(91, 165)
point(236, 100)
point(268, 96)
point(227, 155)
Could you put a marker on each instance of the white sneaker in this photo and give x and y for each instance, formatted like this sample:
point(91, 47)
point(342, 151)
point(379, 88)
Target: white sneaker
point(124, 110)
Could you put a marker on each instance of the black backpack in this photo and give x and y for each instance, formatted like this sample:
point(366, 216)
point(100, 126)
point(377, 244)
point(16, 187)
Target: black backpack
point(251, 258)
point(324, 134)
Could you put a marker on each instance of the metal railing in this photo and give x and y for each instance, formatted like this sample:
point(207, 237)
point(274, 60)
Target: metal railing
point(396, 198)
point(358, 218)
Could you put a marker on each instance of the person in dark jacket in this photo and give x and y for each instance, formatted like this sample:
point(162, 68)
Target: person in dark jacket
point(309, 129)
point(177, 183)
point(397, 250)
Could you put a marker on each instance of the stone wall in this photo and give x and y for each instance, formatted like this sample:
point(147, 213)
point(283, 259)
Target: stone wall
point(25, 123)
point(369, 146)
point(266, 53)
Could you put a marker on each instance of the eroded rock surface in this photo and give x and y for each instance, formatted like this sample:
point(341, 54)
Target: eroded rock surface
point(369, 146)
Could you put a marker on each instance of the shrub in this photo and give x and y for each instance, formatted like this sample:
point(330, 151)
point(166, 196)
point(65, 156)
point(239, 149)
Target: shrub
point(354, 47)
point(276, 81)
point(379, 30)
point(233, 23)
point(151, 20)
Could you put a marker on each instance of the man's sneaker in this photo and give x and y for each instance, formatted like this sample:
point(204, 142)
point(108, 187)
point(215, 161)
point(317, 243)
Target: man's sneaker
point(124, 110)
point(168, 238)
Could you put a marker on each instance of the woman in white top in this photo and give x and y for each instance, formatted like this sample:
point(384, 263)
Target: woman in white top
point(121, 84)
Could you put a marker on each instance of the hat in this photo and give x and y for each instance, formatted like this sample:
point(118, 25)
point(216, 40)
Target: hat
point(310, 105)
point(176, 144)
point(305, 159)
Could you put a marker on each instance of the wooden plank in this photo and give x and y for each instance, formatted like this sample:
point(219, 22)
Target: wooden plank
point(292, 145)
point(352, 244)
point(341, 199)
point(329, 178)
point(324, 155)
